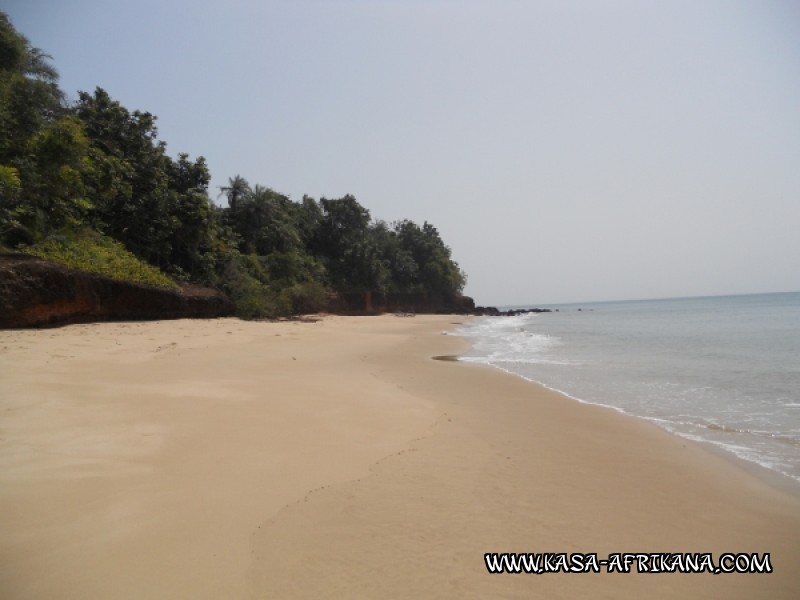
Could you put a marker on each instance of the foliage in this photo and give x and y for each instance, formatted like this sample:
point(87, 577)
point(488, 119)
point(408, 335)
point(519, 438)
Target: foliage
point(344, 244)
point(97, 166)
point(435, 271)
point(29, 94)
point(156, 207)
point(305, 298)
point(104, 256)
point(41, 148)
point(245, 281)
point(237, 188)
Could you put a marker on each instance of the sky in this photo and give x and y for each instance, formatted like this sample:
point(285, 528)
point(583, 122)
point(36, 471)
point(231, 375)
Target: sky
point(567, 151)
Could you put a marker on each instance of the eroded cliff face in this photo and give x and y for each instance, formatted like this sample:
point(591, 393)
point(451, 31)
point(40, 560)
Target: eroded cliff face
point(37, 293)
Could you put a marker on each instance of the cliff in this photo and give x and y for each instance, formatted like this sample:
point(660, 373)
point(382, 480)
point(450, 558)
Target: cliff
point(36, 293)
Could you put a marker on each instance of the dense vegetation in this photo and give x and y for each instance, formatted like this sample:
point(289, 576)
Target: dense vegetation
point(74, 178)
point(103, 255)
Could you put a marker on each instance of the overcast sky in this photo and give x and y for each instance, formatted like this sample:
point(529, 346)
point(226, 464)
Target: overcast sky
point(567, 151)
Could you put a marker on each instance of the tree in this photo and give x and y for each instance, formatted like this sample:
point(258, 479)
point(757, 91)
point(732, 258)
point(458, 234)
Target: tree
point(403, 270)
point(190, 213)
point(41, 148)
point(265, 222)
point(29, 93)
point(236, 190)
point(436, 272)
point(343, 243)
point(129, 173)
point(98, 165)
point(307, 216)
point(55, 185)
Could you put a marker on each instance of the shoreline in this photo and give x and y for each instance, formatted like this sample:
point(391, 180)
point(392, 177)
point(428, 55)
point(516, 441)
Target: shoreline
point(770, 477)
point(336, 459)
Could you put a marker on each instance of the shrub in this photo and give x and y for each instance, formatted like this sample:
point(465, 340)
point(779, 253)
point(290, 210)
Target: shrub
point(94, 253)
point(305, 298)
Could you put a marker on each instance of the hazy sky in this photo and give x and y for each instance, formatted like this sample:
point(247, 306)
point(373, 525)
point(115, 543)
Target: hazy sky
point(565, 150)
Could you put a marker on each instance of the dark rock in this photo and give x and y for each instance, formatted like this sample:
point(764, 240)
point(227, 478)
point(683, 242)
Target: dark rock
point(491, 311)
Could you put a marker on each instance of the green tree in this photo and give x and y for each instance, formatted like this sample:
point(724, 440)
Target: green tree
point(29, 93)
point(436, 273)
point(191, 216)
point(237, 189)
point(55, 185)
point(344, 245)
point(101, 165)
point(263, 220)
point(307, 219)
point(125, 155)
point(403, 270)
point(41, 147)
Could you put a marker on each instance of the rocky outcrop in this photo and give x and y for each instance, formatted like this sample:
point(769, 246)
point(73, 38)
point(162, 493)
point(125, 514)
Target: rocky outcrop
point(36, 293)
point(491, 311)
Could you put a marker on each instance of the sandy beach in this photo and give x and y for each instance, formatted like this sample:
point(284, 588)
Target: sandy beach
point(334, 458)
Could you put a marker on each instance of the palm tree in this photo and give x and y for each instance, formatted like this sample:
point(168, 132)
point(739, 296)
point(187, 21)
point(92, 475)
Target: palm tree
point(37, 65)
point(237, 189)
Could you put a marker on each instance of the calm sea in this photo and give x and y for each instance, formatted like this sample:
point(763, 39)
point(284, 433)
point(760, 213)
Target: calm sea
point(722, 370)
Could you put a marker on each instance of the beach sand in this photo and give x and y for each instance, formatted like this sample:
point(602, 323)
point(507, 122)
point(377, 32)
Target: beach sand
point(333, 458)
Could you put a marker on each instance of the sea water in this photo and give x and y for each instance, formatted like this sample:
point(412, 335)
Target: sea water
point(720, 370)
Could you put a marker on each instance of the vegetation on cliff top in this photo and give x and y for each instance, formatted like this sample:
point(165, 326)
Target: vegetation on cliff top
point(101, 255)
point(74, 176)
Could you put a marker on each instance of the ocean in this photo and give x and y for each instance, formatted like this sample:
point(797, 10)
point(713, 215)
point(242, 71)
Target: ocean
point(723, 371)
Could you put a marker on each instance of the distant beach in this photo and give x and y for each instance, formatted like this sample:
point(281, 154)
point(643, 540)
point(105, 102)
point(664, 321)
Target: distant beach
point(333, 458)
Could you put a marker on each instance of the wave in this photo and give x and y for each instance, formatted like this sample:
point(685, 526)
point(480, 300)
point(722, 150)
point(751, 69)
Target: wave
point(496, 360)
point(634, 374)
point(506, 340)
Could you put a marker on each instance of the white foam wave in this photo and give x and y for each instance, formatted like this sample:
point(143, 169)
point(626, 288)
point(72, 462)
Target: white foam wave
point(506, 340)
point(497, 359)
point(737, 427)
point(745, 453)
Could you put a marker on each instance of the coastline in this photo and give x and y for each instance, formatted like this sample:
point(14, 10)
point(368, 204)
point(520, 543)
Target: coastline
point(769, 477)
point(336, 459)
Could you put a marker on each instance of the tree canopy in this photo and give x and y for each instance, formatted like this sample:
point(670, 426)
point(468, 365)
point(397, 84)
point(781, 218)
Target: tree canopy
point(96, 166)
